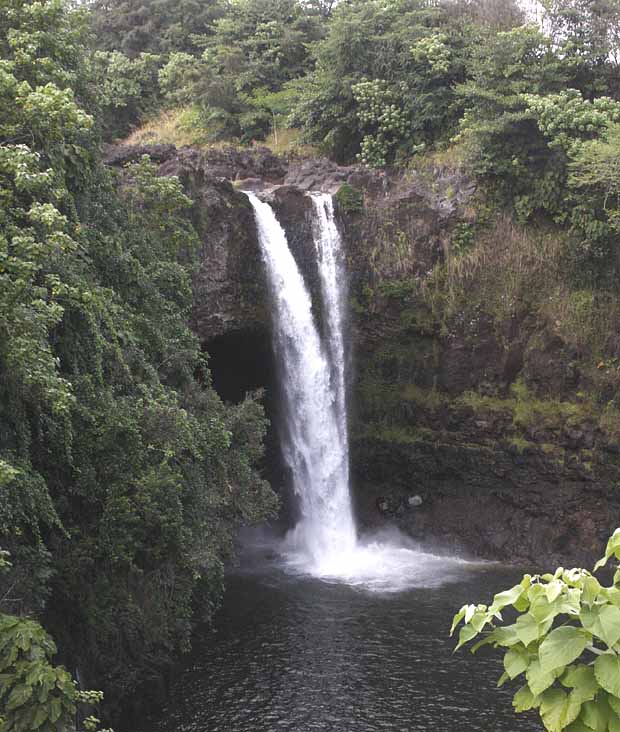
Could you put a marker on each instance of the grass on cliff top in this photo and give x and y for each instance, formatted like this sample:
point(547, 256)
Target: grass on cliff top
point(171, 127)
point(180, 127)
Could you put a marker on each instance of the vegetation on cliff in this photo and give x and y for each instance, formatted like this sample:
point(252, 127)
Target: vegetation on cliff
point(122, 474)
point(563, 645)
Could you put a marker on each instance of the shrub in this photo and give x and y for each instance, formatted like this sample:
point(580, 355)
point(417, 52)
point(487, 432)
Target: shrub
point(350, 199)
point(564, 644)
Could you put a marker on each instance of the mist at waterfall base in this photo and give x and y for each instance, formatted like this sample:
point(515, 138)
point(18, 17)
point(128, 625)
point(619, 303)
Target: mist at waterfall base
point(312, 373)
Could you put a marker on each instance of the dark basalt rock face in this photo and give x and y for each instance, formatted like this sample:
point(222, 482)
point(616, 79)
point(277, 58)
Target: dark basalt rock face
point(491, 483)
point(485, 497)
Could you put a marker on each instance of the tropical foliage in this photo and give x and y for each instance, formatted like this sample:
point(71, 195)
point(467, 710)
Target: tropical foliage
point(563, 647)
point(122, 474)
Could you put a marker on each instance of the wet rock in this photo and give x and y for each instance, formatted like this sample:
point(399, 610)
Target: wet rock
point(317, 175)
point(550, 367)
point(383, 505)
point(540, 511)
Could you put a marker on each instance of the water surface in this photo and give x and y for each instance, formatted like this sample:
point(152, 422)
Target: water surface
point(300, 654)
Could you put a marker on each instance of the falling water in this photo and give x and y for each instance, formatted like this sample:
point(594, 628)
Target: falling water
point(314, 437)
point(333, 279)
point(314, 429)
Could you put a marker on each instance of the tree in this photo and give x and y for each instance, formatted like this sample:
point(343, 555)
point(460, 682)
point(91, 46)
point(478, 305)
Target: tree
point(500, 15)
point(254, 50)
point(410, 51)
point(564, 644)
point(506, 149)
point(160, 27)
point(587, 36)
point(127, 90)
point(594, 181)
point(123, 476)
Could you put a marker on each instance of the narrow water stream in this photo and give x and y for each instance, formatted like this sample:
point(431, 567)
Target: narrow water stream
point(300, 654)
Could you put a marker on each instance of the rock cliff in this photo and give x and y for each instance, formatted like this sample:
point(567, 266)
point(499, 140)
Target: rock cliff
point(469, 423)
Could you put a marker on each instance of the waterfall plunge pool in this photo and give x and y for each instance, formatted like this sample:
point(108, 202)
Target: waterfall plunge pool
point(295, 653)
point(322, 631)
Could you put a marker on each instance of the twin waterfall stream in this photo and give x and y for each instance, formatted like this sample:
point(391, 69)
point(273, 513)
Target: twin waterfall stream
point(312, 374)
point(314, 440)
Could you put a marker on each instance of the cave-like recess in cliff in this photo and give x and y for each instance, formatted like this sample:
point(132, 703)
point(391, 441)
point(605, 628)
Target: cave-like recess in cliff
point(242, 361)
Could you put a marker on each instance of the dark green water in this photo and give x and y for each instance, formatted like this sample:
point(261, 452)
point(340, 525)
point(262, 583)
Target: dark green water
point(297, 654)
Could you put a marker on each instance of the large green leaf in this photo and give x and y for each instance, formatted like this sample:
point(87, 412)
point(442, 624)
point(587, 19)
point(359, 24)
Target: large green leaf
point(558, 709)
point(527, 628)
point(578, 726)
point(508, 597)
point(505, 636)
point(542, 609)
point(594, 716)
point(612, 594)
point(480, 618)
point(613, 720)
point(614, 703)
point(591, 590)
point(40, 716)
point(613, 723)
point(607, 672)
point(613, 548)
point(537, 679)
point(554, 589)
point(599, 716)
point(457, 618)
point(465, 635)
point(20, 695)
point(516, 661)
point(603, 622)
point(582, 681)
point(561, 647)
point(524, 700)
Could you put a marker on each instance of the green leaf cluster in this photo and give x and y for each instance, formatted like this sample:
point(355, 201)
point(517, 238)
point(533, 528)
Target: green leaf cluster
point(239, 81)
point(384, 79)
point(35, 695)
point(563, 647)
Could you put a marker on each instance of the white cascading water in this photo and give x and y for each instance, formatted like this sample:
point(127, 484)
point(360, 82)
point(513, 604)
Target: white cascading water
point(314, 438)
point(333, 277)
point(314, 430)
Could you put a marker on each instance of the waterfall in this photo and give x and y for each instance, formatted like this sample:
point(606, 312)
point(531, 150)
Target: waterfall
point(333, 279)
point(312, 375)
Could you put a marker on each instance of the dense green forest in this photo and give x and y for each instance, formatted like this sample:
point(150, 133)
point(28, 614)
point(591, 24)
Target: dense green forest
point(123, 476)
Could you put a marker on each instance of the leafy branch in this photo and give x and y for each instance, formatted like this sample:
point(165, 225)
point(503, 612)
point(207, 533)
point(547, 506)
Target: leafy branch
point(564, 644)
